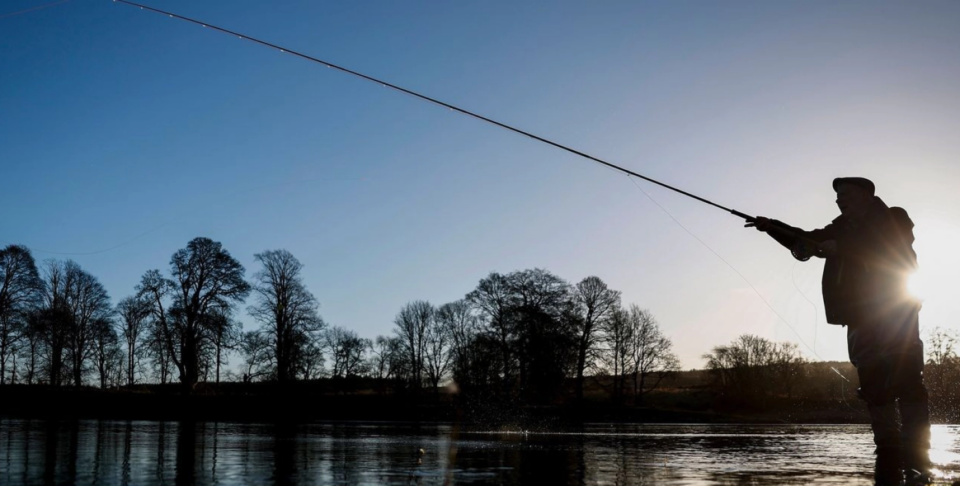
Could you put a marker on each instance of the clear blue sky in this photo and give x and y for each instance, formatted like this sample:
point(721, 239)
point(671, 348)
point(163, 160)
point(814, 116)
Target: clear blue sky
point(115, 122)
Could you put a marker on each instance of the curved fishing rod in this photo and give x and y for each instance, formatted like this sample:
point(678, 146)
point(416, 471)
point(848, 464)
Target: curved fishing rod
point(469, 113)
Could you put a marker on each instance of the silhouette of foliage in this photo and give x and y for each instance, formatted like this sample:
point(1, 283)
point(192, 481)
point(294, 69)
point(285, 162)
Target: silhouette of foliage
point(205, 280)
point(286, 311)
point(134, 314)
point(20, 288)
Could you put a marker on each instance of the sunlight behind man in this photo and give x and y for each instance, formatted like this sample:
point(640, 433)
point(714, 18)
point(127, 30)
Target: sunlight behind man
point(917, 285)
point(935, 282)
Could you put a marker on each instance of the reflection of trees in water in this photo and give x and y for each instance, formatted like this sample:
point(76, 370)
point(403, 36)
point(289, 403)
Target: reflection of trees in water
point(60, 453)
point(341, 456)
point(127, 448)
point(88, 452)
point(186, 453)
point(161, 448)
point(98, 449)
point(50, 458)
point(284, 454)
point(213, 460)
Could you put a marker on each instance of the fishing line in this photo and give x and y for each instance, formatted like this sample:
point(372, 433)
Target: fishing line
point(724, 260)
point(77, 253)
point(31, 9)
point(752, 287)
point(816, 315)
point(219, 201)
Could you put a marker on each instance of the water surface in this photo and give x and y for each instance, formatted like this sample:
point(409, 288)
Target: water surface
point(151, 453)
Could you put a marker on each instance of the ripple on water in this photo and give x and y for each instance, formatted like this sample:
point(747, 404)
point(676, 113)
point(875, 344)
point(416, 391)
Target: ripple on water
point(148, 453)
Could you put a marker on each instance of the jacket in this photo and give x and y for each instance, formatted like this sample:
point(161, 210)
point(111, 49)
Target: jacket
point(866, 280)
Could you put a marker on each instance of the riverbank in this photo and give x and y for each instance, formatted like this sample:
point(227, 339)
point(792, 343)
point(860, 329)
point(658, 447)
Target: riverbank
point(265, 403)
point(686, 397)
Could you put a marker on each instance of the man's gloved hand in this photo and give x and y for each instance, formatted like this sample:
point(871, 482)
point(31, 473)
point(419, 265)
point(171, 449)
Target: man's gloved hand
point(760, 223)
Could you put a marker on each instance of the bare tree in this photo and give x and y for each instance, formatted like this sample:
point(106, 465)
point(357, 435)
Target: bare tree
point(618, 353)
point(34, 344)
point(20, 287)
point(222, 334)
point(412, 322)
point(942, 358)
point(105, 349)
point(346, 350)
point(163, 340)
point(493, 298)
point(788, 366)
point(73, 300)
point(436, 354)
point(53, 322)
point(381, 355)
point(545, 331)
point(399, 366)
point(595, 303)
point(134, 313)
point(653, 358)
point(205, 280)
point(157, 349)
point(285, 309)
point(310, 360)
point(88, 302)
point(255, 349)
point(460, 324)
point(748, 366)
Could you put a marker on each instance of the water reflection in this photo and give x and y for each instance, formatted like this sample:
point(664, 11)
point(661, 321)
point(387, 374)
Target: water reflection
point(198, 453)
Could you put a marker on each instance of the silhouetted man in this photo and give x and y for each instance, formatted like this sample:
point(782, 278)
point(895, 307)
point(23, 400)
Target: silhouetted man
point(869, 255)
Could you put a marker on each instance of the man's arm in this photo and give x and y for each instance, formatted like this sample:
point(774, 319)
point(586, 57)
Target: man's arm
point(802, 244)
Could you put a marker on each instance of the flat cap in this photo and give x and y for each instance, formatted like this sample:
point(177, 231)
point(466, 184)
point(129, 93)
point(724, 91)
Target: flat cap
point(856, 181)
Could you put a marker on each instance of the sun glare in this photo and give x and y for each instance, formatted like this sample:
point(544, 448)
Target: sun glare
point(917, 285)
point(939, 273)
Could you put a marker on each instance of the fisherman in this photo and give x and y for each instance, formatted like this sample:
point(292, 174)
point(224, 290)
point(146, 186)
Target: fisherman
point(869, 256)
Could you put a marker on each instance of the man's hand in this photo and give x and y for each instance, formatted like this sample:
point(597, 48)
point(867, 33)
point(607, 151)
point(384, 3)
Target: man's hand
point(827, 248)
point(760, 223)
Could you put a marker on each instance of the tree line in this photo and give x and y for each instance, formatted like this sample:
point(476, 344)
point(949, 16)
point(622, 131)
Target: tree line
point(526, 335)
point(521, 334)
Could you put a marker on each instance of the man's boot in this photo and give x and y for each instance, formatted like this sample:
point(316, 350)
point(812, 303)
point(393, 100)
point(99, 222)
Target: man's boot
point(915, 440)
point(888, 470)
point(912, 477)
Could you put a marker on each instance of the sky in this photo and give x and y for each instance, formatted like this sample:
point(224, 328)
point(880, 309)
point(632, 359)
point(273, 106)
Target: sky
point(124, 134)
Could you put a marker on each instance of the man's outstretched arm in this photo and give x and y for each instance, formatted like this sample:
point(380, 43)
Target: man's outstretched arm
point(802, 244)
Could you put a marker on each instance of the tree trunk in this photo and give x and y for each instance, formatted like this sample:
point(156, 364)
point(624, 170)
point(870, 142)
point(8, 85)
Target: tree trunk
point(189, 372)
point(130, 350)
point(103, 373)
point(56, 362)
point(77, 369)
point(581, 363)
point(33, 363)
point(282, 354)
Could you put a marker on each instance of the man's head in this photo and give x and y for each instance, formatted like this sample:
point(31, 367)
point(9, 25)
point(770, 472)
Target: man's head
point(854, 195)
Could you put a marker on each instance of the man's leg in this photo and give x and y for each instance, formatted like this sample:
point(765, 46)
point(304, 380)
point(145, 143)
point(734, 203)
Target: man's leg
point(875, 390)
point(867, 355)
point(914, 410)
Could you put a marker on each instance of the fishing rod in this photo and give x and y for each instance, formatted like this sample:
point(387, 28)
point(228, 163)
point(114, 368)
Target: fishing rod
point(749, 219)
point(808, 245)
